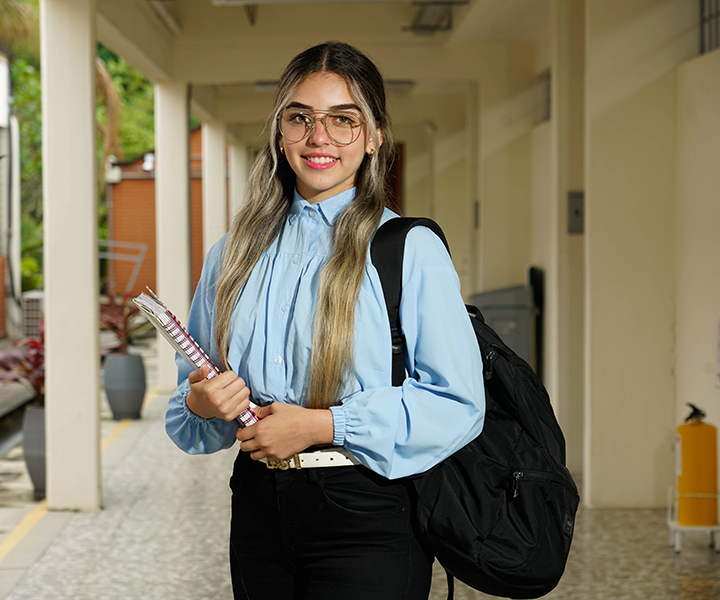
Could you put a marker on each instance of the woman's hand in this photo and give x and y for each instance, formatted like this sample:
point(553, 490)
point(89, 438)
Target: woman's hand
point(225, 396)
point(285, 429)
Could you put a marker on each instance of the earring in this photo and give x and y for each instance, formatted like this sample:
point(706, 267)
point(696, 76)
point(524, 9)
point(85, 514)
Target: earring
point(282, 150)
point(371, 151)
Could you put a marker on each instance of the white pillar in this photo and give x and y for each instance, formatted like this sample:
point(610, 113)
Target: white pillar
point(5, 154)
point(214, 183)
point(72, 348)
point(239, 169)
point(172, 210)
point(14, 322)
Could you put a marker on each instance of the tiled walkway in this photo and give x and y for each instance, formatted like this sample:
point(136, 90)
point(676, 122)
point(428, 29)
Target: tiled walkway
point(163, 535)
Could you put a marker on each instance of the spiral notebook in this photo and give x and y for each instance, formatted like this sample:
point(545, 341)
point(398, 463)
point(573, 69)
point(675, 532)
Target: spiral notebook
point(174, 332)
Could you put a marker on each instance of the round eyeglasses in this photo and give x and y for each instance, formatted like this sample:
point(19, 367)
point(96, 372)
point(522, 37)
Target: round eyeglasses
point(342, 127)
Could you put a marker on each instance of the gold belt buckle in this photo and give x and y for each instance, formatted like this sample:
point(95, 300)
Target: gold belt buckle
point(286, 463)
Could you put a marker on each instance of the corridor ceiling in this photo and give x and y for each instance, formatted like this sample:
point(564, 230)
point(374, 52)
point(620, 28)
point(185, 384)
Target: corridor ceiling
point(230, 53)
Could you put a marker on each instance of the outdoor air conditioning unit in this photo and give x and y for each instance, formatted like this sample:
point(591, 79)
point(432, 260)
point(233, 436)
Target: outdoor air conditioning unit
point(32, 311)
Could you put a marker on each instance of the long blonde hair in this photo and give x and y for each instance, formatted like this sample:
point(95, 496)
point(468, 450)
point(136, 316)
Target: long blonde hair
point(258, 223)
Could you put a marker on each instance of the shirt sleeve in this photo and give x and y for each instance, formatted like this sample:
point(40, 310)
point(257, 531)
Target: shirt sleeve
point(190, 432)
point(440, 407)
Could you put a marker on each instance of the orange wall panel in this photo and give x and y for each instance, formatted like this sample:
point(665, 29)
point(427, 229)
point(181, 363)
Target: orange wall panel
point(196, 230)
point(133, 220)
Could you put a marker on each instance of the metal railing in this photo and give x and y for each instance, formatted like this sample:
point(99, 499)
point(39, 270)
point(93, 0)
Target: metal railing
point(136, 254)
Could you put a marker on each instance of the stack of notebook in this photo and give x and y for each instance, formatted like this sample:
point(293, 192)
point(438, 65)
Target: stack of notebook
point(174, 332)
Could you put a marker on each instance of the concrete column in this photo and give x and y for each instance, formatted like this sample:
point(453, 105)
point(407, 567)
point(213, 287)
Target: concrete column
point(172, 209)
point(564, 279)
point(214, 183)
point(67, 46)
point(239, 171)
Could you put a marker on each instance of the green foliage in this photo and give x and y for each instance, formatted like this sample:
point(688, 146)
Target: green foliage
point(136, 137)
point(27, 108)
point(31, 274)
point(20, 28)
point(137, 129)
point(32, 253)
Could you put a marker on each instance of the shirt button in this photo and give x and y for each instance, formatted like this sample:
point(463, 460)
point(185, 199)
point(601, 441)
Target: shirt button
point(296, 259)
point(285, 307)
point(278, 359)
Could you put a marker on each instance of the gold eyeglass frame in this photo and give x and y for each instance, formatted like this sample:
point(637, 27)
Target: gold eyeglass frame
point(315, 119)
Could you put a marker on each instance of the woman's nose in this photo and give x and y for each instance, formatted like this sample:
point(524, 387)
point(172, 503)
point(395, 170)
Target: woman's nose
point(318, 134)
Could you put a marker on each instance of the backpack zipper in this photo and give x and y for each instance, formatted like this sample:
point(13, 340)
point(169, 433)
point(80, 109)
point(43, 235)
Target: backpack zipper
point(491, 356)
point(538, 476)
point(517, 475)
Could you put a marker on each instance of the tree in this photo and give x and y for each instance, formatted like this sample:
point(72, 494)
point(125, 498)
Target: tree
point(137, 127)
point(109, 118)
point(19, 28)
point(124, 119)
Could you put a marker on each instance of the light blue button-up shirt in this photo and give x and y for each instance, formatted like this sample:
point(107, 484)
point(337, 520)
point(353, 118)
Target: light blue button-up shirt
point(395, 431)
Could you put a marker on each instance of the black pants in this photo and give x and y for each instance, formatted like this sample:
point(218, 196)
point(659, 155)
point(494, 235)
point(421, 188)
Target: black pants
point(332, 533)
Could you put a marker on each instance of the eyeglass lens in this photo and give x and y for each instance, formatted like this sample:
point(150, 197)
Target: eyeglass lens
point(342, 127)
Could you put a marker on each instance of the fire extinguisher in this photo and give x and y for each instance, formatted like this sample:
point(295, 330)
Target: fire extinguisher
point(696, 465)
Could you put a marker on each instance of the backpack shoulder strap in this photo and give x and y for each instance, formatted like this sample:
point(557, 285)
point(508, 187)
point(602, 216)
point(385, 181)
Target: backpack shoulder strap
point(386, 252)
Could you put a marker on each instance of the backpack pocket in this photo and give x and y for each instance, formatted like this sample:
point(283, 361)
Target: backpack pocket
point(539, 515)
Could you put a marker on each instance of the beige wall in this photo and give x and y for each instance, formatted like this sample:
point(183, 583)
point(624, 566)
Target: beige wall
point(543, 205)
point(434, 130)
point(698, 237)
point(631, 85)
point(418, 168)
point(508, 114)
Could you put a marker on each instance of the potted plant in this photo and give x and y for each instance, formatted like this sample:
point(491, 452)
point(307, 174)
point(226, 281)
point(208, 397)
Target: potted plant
point(27, 363)
point(123, 373)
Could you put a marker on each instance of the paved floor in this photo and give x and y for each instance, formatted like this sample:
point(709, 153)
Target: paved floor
point(164, 529)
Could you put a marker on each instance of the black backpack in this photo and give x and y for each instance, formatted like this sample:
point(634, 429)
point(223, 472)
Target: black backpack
point(499, 513)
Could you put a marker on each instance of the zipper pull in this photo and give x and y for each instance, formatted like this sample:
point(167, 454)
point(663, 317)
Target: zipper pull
point(489, 362)
point(517, 475)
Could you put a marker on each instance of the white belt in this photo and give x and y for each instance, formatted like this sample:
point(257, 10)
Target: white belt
point(328, 457)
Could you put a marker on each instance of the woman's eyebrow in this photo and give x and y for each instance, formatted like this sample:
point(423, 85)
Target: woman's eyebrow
point(336, 107)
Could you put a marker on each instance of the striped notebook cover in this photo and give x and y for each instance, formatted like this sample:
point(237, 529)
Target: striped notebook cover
point(174, 332)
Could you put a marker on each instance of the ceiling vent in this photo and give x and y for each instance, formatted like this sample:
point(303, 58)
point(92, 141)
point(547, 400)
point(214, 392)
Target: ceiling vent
point(433, 16)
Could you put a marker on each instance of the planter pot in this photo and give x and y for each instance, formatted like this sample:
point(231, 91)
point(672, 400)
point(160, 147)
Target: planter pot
point(124, 379)
point(34, 447)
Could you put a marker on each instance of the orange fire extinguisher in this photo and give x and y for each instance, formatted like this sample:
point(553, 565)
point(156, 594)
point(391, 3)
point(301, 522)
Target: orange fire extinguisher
point(696, 464)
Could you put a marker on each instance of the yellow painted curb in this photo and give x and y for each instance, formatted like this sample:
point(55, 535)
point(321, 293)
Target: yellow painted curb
point(22, 529)
point(115, 433)
point(36, 514)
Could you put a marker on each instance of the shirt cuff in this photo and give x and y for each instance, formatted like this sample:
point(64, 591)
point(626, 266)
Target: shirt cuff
point(191, 416)
point(339, 425)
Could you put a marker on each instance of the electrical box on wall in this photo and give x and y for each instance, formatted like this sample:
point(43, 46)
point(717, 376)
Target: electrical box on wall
point(576, 212)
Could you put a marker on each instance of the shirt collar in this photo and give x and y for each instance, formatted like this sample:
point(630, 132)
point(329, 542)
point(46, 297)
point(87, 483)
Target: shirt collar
point(329, 209)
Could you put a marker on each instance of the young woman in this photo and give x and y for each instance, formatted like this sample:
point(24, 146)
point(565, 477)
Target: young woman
point(290, 304)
